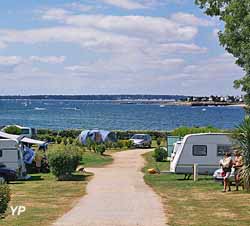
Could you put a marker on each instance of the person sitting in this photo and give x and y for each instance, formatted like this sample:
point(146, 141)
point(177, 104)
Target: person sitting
point(237, 164)
point(226, 165)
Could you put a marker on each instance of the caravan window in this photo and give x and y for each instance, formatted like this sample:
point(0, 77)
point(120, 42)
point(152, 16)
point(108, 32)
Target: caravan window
point(1, 153)
point(223, 148)
point(199, 150)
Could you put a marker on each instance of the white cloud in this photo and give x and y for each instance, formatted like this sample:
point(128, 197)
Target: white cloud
point(125, 4)
point(48, 59)
point(141, 4)
point(55, 13)
point(191, 19)
point(215, 32)
point(10, 60)
point(175, 48)
point(2, 45)
point(8, 64)
point(159, 28)
point(77, 6)
point(219, 67)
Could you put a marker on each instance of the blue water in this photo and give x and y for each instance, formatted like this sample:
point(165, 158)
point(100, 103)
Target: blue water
point(106, 115)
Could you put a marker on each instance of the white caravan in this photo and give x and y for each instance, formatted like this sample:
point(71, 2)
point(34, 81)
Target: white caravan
point(11, 156)
point(205, 149)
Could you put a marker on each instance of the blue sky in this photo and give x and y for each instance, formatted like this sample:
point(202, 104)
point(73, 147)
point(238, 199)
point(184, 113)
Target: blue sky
point(112, 47)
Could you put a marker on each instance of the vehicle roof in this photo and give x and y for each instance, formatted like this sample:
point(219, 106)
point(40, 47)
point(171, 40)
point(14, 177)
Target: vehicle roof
point(204, 134)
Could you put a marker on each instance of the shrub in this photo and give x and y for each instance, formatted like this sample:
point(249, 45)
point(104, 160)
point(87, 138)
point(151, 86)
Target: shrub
point(89, 143)
point(65, 141)
point(64, 160)
point(69, 133)
point(160, 154)
point(128, 144)
point(47, 132)
point(71, 140)
point(93, 146)
point(109, 145)
point(120, 144)
point(4, 198)
point(58, 140)
point(100, 149)
point(13, 130)
point(158, 141)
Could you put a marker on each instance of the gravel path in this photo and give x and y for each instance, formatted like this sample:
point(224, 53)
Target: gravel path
point(117, 196)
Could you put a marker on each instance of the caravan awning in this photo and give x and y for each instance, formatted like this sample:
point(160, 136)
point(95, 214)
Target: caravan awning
point(32, 141)
point(8, 136)
point(21, 138)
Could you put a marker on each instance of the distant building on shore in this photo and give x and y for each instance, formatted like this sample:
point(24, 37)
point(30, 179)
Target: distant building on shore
point(219, 99)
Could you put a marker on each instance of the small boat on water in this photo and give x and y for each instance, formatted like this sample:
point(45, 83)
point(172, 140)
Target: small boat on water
point(40, 109)
point(162, 106)
point(204, 109)
point(74, 109)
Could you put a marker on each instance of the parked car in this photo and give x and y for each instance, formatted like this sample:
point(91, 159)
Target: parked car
point(7, 174)
point(218, 175)
point(141, 140)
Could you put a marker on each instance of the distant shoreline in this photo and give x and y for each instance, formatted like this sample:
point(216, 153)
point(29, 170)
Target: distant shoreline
point(180, 103)
point(116, 100)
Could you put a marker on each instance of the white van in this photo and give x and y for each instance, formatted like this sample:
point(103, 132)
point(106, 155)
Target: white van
point(205, 149)
point(11, 156)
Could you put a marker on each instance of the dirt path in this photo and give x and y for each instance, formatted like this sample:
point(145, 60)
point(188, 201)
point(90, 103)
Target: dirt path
point(117, 196)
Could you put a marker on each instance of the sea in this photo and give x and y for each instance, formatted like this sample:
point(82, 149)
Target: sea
point(69, 114)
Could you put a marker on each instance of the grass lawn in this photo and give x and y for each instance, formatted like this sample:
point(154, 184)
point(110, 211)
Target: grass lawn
point(91, 159)
point(45, 198)
point(198, 203)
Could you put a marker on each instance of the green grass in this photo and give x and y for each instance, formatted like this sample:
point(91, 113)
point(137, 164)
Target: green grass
point(91, 159)
point(198, 203)
point(45, 199)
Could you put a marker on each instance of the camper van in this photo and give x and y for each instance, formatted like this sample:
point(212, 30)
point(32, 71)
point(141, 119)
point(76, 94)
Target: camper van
point(11, 156)
point(205, 149)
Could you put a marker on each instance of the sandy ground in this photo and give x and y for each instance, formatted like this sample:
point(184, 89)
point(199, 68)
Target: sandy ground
point(117, 196)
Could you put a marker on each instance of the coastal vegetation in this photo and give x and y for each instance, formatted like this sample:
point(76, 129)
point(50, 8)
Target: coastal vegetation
point(71, 135)
point(196, 203)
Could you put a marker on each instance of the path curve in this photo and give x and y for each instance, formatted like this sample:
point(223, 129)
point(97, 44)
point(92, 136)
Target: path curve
point(117, 196)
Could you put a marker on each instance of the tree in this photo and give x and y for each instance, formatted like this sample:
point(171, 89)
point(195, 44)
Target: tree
point(236, 35)
point(242, 135)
